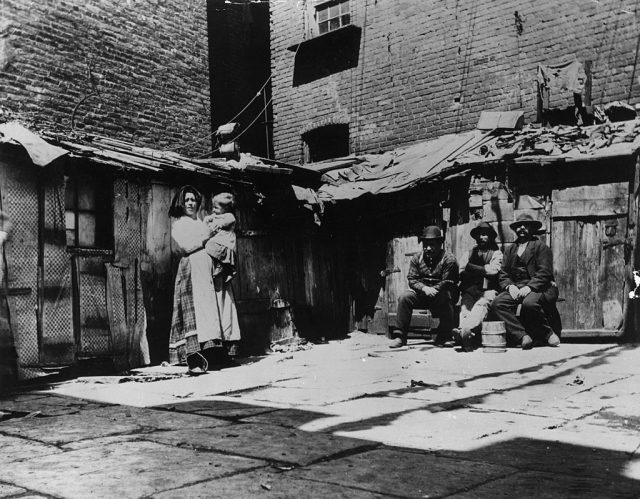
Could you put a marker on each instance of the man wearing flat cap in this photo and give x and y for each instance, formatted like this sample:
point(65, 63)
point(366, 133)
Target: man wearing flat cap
point(526, 278)
point(433, 278)
point(479, 285)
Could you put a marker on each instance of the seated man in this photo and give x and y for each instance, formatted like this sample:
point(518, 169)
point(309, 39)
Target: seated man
point(433, 277)
point(526, 278)
point(479, 285)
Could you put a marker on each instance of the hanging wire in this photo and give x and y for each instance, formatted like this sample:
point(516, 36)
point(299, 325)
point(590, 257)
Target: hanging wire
point(208, 136)
point(249, 103)
point(254, 120)
point(245, 129)
point(243, 109)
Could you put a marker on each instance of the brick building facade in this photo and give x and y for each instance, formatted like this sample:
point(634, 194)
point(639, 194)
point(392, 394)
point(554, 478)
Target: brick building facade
point(136, 70)
point(404, 71)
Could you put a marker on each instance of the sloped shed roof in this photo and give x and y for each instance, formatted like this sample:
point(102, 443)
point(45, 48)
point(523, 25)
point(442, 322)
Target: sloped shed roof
point(536, 145)
point(393, 171)
point(44, 149)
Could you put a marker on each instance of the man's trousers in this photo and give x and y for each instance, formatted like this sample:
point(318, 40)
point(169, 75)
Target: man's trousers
point(440, 305)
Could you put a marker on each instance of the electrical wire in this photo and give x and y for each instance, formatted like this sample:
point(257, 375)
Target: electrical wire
point(229, 121)
point(249, 103)
point(244, 108)
point(635, 64)
point(245, 129)
point(255, 119)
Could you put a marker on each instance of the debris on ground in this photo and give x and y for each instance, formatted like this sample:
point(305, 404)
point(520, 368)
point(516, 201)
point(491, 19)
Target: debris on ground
point(265, 486)
point(578, 380)
point(290, 345)
point(181, 396)
point(137, 378)
point(19, 415)
point(99, 380)
point(417, 382)
point(284, 468)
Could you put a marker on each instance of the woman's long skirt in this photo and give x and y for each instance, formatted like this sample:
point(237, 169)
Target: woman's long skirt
point(204, 310)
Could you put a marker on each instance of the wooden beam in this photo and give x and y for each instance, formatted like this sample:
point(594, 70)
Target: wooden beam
point(590, 333)
point(15, 292)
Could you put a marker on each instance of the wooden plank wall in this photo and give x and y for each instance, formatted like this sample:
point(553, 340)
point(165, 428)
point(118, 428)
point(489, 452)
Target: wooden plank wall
point(589, 241)
point(326, 287)
point(58, 341)
point(156, 270)
point(130, 211)
point(19, 201)
point(631, 329)
point(366, 259)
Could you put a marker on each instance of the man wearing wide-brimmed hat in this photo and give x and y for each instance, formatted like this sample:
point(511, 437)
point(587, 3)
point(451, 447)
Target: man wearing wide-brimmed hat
point(479, 285)
point(433, 279)
point(526, 278)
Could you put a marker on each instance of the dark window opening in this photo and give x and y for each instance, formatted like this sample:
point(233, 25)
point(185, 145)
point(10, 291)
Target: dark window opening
point(331, 141)
point(89, 210)
point(332, 16)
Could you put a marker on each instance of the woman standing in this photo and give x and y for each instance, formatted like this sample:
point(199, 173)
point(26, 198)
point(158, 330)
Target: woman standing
point(204, 311)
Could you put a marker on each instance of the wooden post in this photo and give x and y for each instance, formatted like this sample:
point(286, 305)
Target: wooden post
point(587, 83)
point(539, 109)
point(40, 270)
point(631, 324)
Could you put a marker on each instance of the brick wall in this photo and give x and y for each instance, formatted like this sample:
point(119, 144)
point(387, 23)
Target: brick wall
point(130, 69)
point(429, 67)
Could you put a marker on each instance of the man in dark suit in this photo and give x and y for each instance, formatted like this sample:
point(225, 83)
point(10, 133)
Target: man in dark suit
point(433, 279)
point(526, 278)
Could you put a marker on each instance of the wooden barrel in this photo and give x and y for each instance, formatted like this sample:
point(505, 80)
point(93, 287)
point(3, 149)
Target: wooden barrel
point(494, 337)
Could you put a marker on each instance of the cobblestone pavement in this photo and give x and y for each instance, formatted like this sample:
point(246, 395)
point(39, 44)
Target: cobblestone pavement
point(348, 419)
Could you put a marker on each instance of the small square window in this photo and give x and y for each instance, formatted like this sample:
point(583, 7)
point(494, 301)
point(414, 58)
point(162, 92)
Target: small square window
point(333, 15)
point(327, 142)
point(88, 210)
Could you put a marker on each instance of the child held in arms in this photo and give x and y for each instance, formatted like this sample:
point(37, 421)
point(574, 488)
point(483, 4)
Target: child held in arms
point(221, 246)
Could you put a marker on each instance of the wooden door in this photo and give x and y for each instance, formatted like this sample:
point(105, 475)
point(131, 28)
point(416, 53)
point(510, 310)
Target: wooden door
point(399, 253)
point(93, 334)
point(588, 240)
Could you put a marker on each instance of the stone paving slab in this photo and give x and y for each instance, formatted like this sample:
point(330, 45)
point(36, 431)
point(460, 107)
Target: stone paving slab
point(100, 442)
point(460, 429)
point(67, 428)
point(336, 414)
point(101, 422)
point(618, 385)
point(217, 408)
point(259, 441)
point(548, 455)
point(619, 360)
point(401, 473)
point(619, 413)
point(157, 419)
point(597, 436)
point(46, 405)
point(288, 418)
point(265, 485)
point(10, 490)
point(18, 449)
point(123, 470)
point(553, 486)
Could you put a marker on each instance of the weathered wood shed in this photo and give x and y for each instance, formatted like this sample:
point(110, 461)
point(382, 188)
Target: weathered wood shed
point(581, 182)
point(89, 266)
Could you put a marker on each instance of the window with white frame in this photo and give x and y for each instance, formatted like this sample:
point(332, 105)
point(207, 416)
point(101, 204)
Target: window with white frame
point(332, 15)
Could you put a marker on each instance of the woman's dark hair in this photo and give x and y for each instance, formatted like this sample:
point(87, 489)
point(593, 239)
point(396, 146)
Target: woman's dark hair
point(177, 204)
